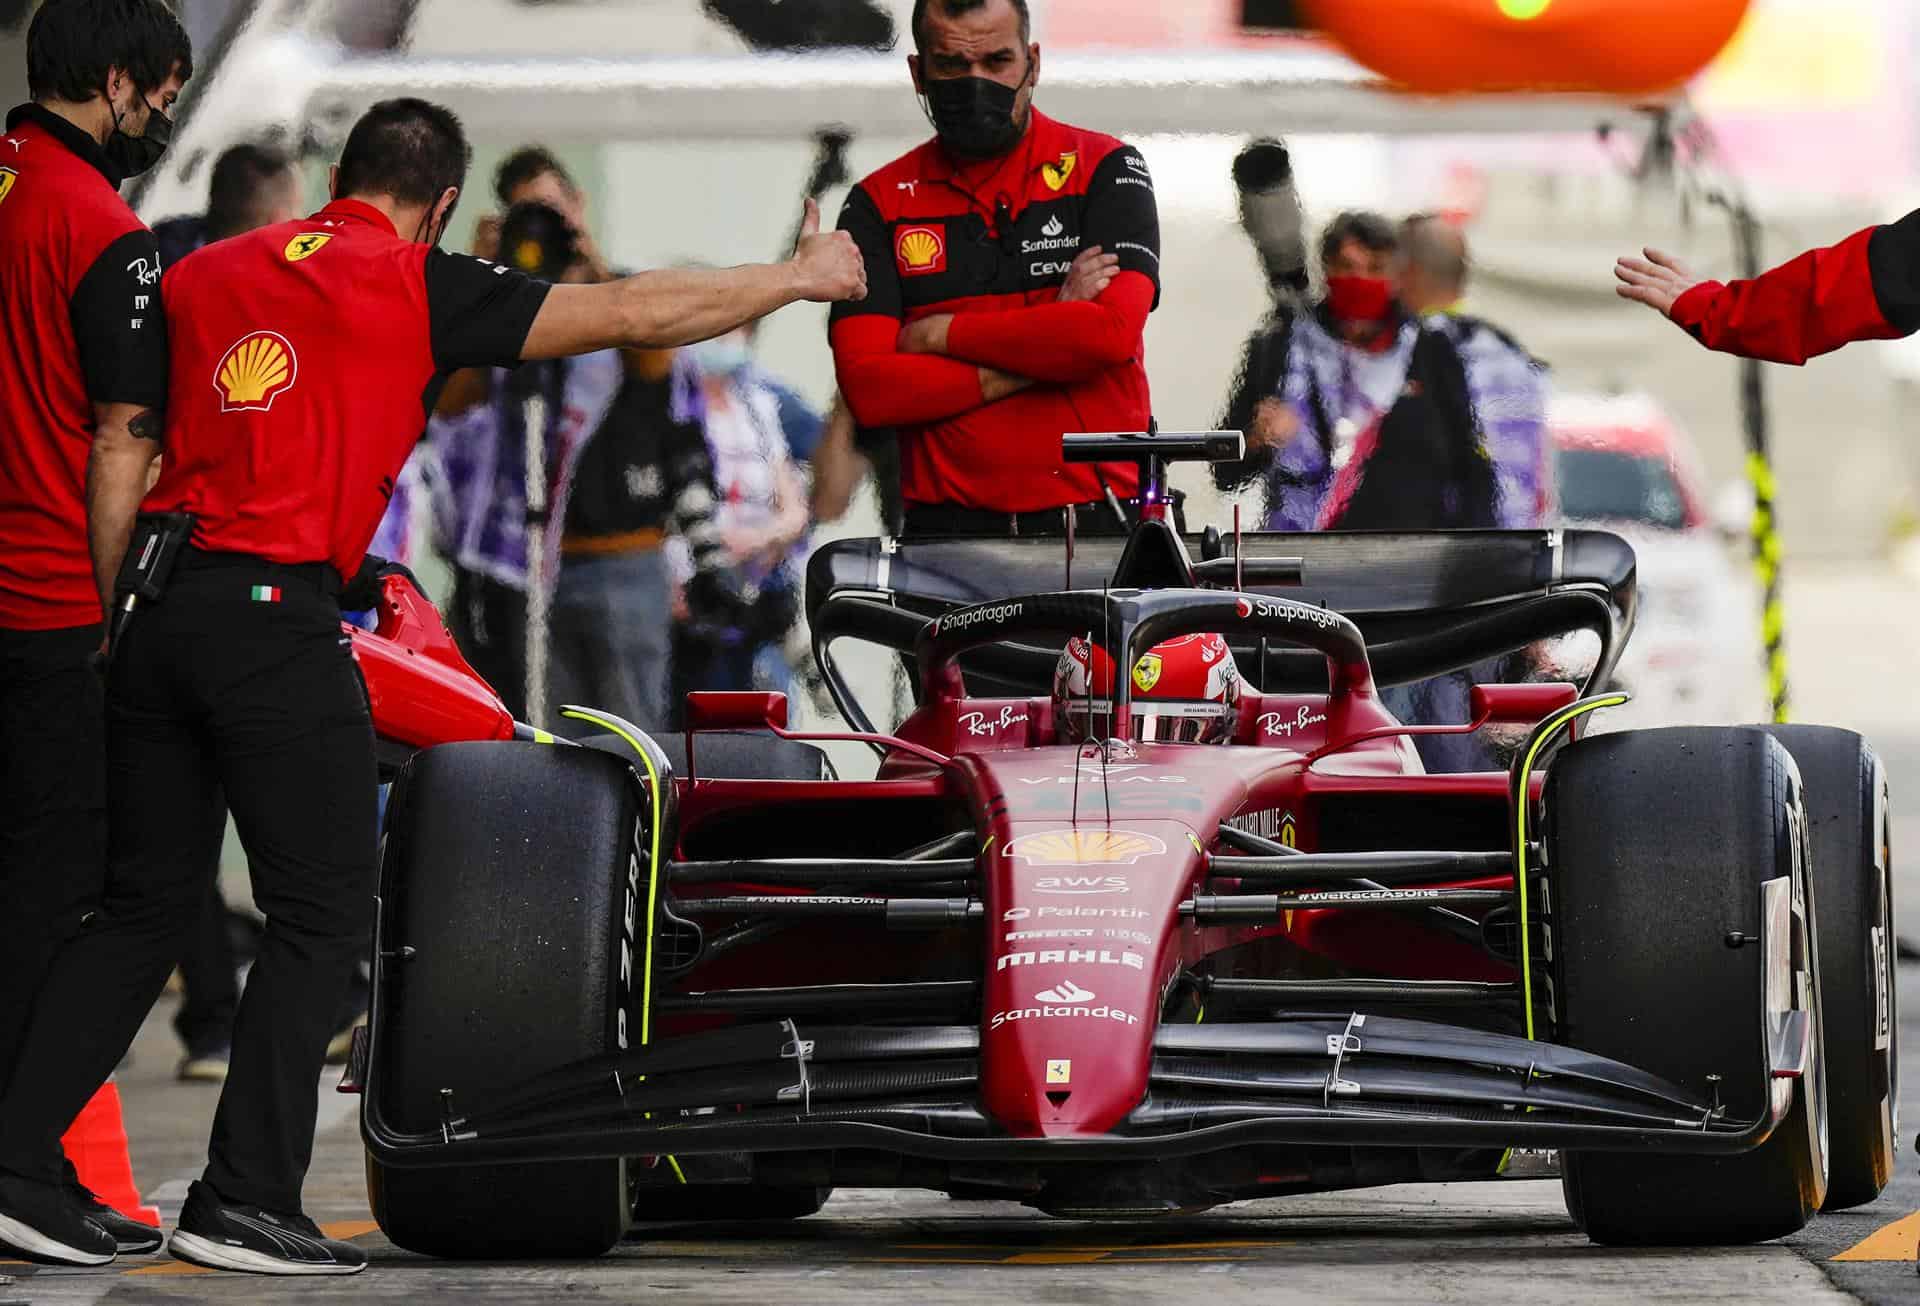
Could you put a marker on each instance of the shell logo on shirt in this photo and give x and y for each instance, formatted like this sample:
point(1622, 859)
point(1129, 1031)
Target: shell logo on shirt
point(259, 368)
point(1056, 174)
point(921, 251)
point(306, 245)
point(7, 177)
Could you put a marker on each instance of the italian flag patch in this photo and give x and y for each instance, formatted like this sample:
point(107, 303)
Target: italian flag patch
point(266, 593)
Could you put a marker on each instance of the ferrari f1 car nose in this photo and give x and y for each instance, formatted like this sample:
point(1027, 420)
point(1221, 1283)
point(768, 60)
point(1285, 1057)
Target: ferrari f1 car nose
point(1081, 920)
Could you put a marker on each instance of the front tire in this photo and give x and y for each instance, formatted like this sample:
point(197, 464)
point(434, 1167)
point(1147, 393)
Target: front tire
point(1849, 833)
point(506, 873)
point(1657, 845)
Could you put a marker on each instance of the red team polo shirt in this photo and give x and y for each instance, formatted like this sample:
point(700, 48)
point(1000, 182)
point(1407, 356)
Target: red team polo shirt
point(991, 242)
point(80, 314)
point(306, 358)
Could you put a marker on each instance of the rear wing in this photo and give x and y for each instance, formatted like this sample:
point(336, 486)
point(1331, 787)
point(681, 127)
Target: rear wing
point(1426, 602)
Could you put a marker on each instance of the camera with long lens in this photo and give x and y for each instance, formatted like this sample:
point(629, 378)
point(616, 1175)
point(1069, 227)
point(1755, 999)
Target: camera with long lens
point(536, 240)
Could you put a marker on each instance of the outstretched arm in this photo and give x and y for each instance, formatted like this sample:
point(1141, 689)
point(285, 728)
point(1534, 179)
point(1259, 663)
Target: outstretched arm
point(678, 306)
point(1865, 288)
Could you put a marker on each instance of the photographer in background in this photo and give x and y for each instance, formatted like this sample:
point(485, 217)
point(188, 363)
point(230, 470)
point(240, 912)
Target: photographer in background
point(764, 522)
point(478, 442)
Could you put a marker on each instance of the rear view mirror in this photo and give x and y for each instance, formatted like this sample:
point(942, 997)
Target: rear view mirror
point(736, 711)
point(1520, 705)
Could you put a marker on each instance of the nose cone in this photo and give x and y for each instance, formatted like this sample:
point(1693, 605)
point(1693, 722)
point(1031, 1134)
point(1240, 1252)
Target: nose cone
point(1081, 926)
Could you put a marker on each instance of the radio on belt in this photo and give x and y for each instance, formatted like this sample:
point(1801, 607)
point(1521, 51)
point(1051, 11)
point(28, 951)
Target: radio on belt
point(158, 538)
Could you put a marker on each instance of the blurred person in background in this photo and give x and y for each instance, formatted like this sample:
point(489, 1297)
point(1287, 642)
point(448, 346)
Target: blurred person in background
point(764, 522)
point(1376, 426)
point(1271, 216)
point(252, 186)
point(644, 477)
point(1509, 384)
point(477, 446)
point(473, 461)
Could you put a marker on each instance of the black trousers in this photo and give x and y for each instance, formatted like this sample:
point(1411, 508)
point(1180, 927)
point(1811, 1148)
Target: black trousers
point(52, 809)
point(214, 691)
point(209, 978)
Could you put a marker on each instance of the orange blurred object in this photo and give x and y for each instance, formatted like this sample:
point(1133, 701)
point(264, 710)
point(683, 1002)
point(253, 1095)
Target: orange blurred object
point(1609, 47)
point(96, 1143)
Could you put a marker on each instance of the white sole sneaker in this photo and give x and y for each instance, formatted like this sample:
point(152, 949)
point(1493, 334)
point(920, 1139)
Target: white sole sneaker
point(25, 1238)
point(218, 1256)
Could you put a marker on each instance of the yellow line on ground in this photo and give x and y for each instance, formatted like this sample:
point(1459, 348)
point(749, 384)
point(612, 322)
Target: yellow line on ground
point(1891, 1242)
point(994, 1248)
point(1054, 1258)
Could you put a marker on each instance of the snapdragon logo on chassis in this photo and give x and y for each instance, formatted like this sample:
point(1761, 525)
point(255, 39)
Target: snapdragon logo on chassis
point(967, 618)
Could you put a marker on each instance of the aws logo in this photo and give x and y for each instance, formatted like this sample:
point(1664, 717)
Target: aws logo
point(7, 177)
point(305, 245)
point(259, 368)
point(920, 251)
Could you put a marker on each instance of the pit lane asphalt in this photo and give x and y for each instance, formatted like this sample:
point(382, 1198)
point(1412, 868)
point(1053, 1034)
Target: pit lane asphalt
point(1485, 1244)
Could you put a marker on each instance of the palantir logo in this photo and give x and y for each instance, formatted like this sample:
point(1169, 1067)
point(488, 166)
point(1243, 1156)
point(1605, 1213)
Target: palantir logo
point(1067, 991)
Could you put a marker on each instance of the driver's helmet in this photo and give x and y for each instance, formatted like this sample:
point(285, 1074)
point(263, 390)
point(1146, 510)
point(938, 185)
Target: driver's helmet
point(1185, 691)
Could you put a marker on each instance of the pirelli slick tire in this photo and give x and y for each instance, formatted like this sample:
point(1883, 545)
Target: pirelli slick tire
point(1850, 839)
point(506, 875)
point(729, 1202)
point(1657, 844)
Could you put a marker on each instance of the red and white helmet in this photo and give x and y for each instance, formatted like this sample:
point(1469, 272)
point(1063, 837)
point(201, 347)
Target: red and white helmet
point(1185, 691)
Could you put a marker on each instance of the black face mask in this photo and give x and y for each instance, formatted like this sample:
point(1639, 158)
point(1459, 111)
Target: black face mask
point(132, 155)
point(974, 116)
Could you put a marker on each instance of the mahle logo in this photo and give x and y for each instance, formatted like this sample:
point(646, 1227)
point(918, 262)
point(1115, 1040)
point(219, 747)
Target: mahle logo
point(259, 368)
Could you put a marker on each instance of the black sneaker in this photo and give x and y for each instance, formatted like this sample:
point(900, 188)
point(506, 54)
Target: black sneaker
point(130, 1236)
point(43, 1222)
point(223, 1235)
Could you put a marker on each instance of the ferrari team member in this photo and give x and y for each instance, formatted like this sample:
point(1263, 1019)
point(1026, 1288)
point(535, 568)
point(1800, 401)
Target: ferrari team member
point(1865, 288)
point(85, 361)
point(965, 343)
point(306, 357)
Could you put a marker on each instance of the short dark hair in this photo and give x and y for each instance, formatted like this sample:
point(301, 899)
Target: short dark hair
point(407, 148)
point(957, 8)
point(1437, 247)
point(73, 44)
point(240, 179)
point(1370, 230)
point(528, 163)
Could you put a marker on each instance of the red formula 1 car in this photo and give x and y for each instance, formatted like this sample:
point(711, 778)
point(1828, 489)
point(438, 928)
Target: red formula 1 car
point(1060, 953)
